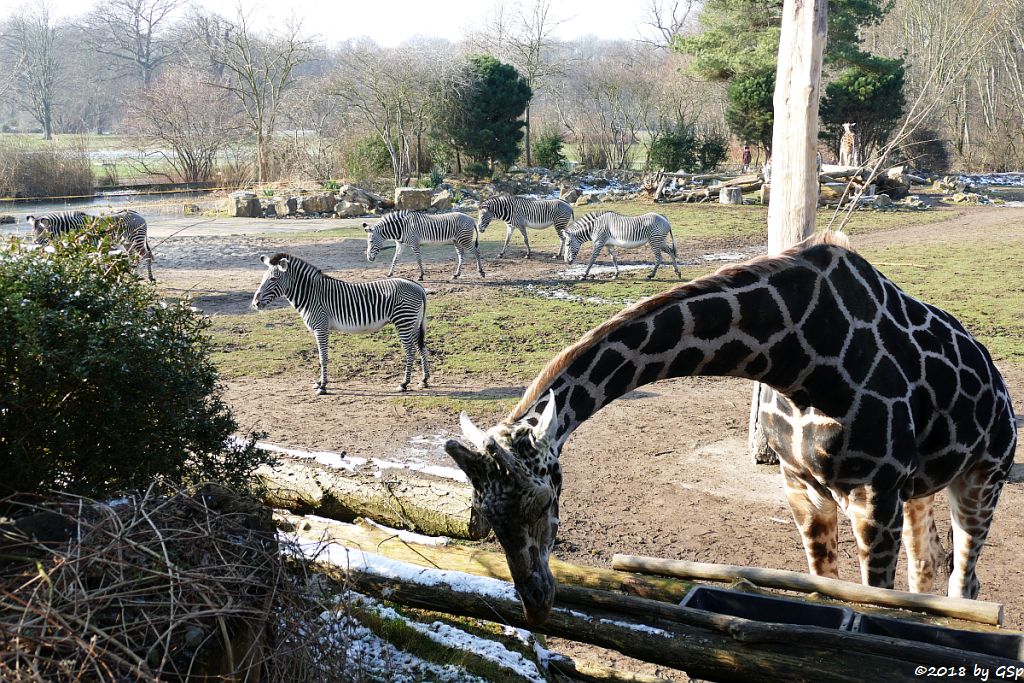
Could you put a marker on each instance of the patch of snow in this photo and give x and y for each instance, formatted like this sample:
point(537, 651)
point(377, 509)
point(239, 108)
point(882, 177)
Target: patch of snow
point(725, 256)
point(1015, 179)
point(371, 563)
point(410, 536)
point(1013, 205)
point(642, 628)
point(562, 295)
point(578, 269)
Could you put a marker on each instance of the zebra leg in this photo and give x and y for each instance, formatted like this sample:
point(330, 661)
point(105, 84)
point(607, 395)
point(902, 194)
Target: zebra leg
point(479, 265)
point(593, 257)
point(421, 342)
point(672, 250)
point(526, 238)
point(458, 257)
point(657, 260)
point(561, 242)
point(508, 236)
point(321, 345)
point(419, 259)
point(398, 252)
point(149, 267)
point(611, 250)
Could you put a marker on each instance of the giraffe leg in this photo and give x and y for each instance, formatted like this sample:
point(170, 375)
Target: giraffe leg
point(508, 236)
point(877, 521)
point(817, 520)
point(972, 502)
point(921, 543)
point(394, 260)
point(321, 345)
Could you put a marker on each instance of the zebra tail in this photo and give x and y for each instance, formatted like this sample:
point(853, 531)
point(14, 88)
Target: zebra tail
point(421, 341)
point(670, 234)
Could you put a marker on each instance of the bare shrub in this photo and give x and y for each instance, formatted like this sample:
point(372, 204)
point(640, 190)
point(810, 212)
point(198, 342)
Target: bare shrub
point(30, 170)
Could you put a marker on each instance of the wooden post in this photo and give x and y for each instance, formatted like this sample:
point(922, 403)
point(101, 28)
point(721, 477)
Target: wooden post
point(791, 212)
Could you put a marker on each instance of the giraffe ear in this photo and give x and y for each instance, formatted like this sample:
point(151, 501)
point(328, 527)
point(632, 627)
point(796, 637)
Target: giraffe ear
point(474, 434)
point(475, 465)
point(547, 428)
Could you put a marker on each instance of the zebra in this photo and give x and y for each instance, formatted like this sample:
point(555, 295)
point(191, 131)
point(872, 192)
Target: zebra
point(520, 213)
point(126, 226)
point(325, 303)
point(616, 230)
point(413, 229)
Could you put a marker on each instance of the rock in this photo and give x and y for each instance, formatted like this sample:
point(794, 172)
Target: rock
point(344, 209)
point(569, 195)
point(967, 198)
point(442, 201)
point(318, 203)
point(764, 194)
point(357, 195)
point(914, 202)
point(243, 205)
point(412, 199)
point(582, 200)
point(284, 206)
point(831, 192)
point(730, 195)
point(186, 209)
point(269, 209)
point(7, 219)
point(882, 201)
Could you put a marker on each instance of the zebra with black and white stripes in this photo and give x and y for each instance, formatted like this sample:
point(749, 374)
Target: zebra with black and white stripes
point(412, 229)
point(520, 213)
point(615, 230)
point(127, 227)
point(325, 303)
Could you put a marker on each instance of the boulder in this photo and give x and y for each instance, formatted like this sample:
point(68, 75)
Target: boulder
point(730, 195)
point(582, 200)
point(882, 201)
point(186, 209)
point(412, 199)
point(967, 198)
point(319, 203)
point(442, 201)
point(569, 195)
point(243, 205)
point(7, 219)
point(357, 195)
point(284, 206)
point(346, 209)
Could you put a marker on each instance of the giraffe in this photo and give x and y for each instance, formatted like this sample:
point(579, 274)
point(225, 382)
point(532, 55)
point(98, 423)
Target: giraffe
point(876, 401)
point(849, 154)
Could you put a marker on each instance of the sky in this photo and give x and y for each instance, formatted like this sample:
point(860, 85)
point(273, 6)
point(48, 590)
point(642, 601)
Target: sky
point(389, 22)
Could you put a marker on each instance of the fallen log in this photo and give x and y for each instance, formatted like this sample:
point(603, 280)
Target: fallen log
point(394, 496)
point(704, 644)
point(468, 559)
point(968, 610)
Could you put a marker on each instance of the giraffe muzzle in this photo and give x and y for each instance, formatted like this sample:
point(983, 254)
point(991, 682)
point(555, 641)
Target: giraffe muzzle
point(538, 597)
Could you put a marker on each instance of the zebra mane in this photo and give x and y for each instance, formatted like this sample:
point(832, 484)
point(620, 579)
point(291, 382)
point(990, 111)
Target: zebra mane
point(276, 258)
point(587, 220)
point(760, 265)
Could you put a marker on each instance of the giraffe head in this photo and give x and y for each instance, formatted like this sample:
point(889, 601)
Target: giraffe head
point(848, 127)
point(517, 480)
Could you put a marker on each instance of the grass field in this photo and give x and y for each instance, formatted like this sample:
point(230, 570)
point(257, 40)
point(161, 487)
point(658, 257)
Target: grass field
point(502, 333)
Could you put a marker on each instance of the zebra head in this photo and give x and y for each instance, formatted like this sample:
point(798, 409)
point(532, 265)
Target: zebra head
point(375, 236)
point(275, 280)
point(485, 214)
point(40, 228)
point(574, 240)
point(516, 480)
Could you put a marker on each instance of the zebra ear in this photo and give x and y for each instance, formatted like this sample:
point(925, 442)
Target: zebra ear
point(366, 227)
point(282, 264)
point(265, 259)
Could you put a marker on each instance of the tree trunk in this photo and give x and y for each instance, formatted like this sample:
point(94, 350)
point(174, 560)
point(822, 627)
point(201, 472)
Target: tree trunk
point(396, 497)
point(791, 212)
point(47, 122)
point(529, 154)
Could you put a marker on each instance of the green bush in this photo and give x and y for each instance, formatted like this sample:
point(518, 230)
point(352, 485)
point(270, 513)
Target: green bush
point(105, 386)
point(750, 113)
point(675, 150)
point(547, 150)
point(369, 159)
point(479, 170)
point(712, 150)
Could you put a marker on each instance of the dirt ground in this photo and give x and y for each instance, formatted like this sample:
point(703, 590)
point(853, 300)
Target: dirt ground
point(663, 471)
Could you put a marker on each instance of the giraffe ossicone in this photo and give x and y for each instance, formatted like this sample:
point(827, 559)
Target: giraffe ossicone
point(876, 402)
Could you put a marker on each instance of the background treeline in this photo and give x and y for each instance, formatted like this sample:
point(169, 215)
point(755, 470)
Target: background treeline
point(234, 99)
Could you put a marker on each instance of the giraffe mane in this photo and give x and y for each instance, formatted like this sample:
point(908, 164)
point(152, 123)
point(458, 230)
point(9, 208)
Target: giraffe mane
point(760, 265)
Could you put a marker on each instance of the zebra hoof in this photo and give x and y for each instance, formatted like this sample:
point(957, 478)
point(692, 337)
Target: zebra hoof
point(424, 384)
point(321, 391)
point(403, 387)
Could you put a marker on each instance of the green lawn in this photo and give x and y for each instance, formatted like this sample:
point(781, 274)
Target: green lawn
point(504, 334)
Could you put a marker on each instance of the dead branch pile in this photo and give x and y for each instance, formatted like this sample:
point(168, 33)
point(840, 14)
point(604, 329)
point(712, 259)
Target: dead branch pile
point(151, 587)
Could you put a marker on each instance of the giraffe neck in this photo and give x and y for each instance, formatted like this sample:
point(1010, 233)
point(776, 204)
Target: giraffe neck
point(742, 323)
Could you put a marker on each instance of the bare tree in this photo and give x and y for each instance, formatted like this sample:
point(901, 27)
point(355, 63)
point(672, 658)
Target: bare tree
point(187, 132)
point(258, 70)
point(134, 33)
point(668, 19)
point(33, 38)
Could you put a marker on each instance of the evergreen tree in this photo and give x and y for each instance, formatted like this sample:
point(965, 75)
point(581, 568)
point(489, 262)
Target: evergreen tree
point(749, 111)
point(870, 94)
point(482, 115)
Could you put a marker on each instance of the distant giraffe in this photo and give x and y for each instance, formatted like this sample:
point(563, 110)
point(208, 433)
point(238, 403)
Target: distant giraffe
point(876, 402)
point(849, 153)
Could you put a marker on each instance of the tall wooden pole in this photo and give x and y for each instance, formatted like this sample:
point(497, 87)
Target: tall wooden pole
point(794, 178)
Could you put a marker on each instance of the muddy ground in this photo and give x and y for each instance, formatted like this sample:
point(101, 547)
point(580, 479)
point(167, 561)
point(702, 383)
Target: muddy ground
point(663, 471)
